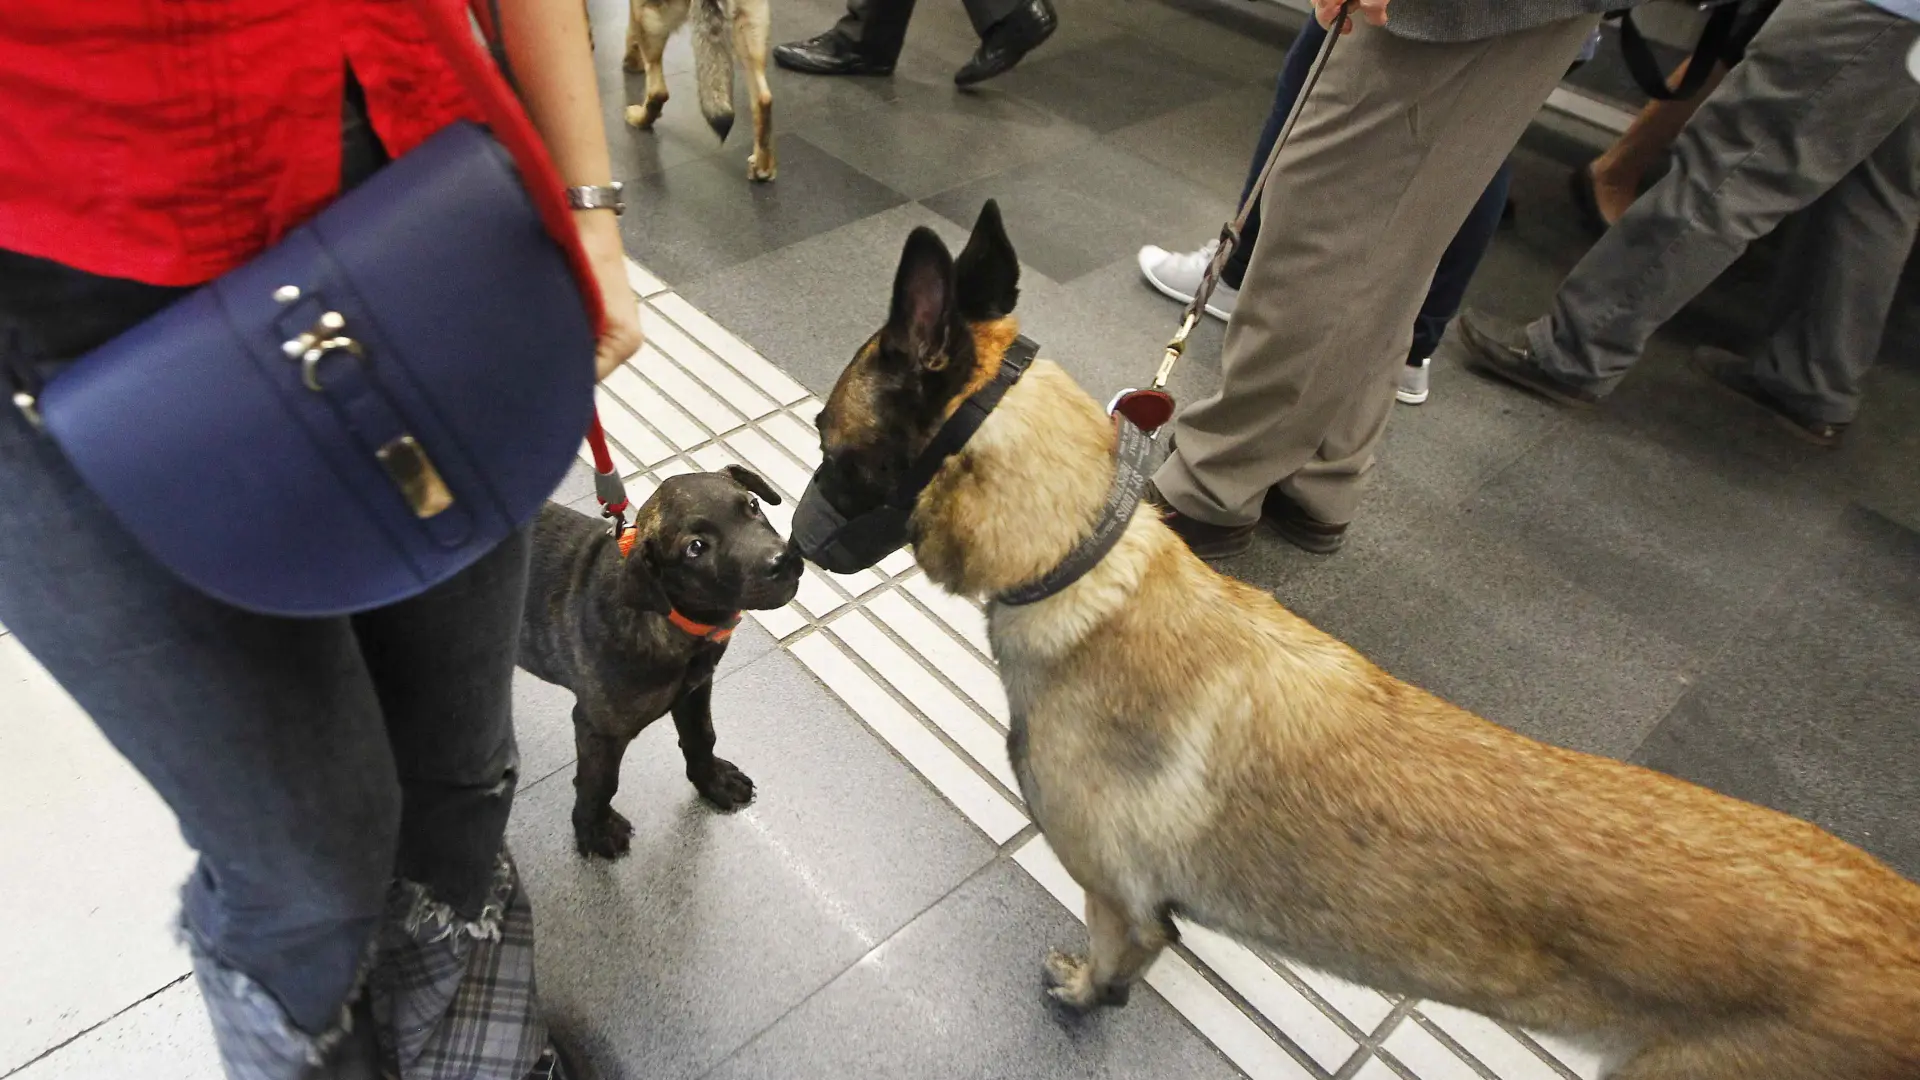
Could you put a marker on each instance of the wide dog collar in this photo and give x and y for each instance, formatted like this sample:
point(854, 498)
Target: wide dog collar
point(1131, 449)
point(718, 633)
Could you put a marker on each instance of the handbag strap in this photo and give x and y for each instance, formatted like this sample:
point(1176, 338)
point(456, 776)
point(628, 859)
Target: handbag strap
point(446, 22)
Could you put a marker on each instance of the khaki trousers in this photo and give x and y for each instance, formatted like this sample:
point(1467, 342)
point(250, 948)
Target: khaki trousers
point(1392, 148)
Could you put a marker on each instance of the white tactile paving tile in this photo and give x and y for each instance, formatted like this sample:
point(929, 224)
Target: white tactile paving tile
point(981, 741)
point(991, 811)
point(1489, 1043)
point(1427, 1057)
point(647, 402)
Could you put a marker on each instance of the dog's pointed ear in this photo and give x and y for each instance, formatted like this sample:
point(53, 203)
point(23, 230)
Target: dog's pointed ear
point(987, 274)
point(640, 579)
point(923, 302)
point(751, 480)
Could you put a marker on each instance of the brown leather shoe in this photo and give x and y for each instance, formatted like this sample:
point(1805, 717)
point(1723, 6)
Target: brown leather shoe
point(1489, 355)
point(1207, 540)
point(1299, 528)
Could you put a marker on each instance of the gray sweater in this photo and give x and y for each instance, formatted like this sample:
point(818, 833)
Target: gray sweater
point(1476, 20)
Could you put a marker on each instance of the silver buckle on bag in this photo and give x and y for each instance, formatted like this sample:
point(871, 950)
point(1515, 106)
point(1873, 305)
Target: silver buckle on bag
point(406, 462)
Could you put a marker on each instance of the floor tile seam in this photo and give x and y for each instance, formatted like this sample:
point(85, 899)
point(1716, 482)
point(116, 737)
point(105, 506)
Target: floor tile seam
point(91, 1028)
point(907, 924)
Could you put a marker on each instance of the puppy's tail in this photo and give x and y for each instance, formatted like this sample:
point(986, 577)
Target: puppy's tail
point(713, 62)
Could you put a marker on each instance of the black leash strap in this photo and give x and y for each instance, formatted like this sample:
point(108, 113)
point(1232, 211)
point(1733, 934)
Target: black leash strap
point(964, 422)
point(1716, 39)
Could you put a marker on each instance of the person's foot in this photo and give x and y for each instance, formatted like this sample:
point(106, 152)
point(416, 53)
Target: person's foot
point(829, 54)
point(1734, 373)
point(1299, 528)
point(1207, 540)
point(1008, 41)
point(1177, 274)
point(1514, 363)
point(1413, 383)
point(555, 1064)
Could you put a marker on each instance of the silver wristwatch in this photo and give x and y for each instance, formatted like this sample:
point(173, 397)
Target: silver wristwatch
point(598, 197)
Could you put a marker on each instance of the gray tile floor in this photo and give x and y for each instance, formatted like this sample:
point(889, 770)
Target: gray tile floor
point(1665, 579)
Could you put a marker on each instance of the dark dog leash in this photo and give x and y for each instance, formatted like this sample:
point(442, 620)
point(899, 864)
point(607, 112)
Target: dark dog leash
point(1151, 408)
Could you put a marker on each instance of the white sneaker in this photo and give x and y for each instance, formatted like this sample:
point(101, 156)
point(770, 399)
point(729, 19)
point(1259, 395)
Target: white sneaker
point(1178, 274)
point(1413, 382)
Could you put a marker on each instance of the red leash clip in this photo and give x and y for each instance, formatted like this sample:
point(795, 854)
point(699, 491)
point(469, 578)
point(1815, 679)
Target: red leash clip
point(606, 479)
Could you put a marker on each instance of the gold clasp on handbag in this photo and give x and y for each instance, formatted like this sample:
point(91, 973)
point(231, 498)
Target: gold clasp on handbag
point(412, 471)
point(406, 462)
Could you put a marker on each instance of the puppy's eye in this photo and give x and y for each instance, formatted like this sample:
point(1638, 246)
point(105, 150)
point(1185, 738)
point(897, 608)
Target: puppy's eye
point(695, 548)
point(753, 506)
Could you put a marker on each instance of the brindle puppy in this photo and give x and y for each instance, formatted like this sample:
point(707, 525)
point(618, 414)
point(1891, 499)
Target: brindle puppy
point(638, 636)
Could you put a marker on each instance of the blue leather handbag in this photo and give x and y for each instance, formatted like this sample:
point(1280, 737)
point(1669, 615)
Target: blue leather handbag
point(360, 412)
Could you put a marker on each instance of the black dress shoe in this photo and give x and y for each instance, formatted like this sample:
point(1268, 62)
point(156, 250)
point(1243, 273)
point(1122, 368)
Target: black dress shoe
point(1008, 40)
point(1299, 528)
point(1207, 540)
point(829, 54)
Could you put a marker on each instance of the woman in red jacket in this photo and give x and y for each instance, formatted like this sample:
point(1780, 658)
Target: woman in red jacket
point(346, 782)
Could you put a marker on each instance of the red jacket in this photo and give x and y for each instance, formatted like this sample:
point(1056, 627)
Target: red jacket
point(168, 141)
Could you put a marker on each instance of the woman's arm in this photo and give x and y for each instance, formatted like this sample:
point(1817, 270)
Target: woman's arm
point(546, 42)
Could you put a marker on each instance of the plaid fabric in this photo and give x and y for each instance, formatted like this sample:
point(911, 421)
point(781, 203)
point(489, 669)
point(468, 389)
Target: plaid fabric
point(450, 999)
point(454, 999)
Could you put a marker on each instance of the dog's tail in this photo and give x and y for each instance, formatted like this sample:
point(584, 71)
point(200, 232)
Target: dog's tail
point(713, 62)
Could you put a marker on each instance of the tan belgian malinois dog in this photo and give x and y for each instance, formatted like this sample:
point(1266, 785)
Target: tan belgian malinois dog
point(1189, 746)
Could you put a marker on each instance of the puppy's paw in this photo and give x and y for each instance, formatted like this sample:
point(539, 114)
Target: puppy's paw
point(633, 61)
point(761, 173)
point(723, 785)
point(608, 836)
point(1070, 981)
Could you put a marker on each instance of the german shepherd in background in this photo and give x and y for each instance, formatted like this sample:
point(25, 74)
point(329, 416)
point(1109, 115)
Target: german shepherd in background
point(721, 29)
point(1190, 747)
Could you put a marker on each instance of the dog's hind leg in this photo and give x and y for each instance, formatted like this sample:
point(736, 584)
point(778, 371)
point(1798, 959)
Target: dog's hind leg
point(598, 829)
point(718, 781)
point(1120, 950)
point(750, 32)
point(635, 59)
point(652, 25)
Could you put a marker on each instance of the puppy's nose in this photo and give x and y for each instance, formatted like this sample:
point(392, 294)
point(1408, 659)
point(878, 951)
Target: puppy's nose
point(784, 563)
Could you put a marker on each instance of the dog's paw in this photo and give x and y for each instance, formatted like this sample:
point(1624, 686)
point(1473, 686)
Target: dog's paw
point(607, 837)
point(724, 785)
point(639, 116)
point(761, 174)
point(633, 61)
point(1070, 980)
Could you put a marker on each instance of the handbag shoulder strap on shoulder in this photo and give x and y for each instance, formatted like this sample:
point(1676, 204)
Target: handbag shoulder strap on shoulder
point(447, 23)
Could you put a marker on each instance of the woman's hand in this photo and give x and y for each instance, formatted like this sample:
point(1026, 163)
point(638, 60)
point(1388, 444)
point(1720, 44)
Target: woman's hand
point(622, 337)
point(1327, 12)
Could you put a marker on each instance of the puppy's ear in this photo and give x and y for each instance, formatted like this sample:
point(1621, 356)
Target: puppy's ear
point(750, 480)
point(921, 319)
point(640, 579)
point(987, 274)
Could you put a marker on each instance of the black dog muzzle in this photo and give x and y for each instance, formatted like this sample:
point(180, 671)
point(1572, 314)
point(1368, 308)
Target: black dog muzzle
point(840, 544)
